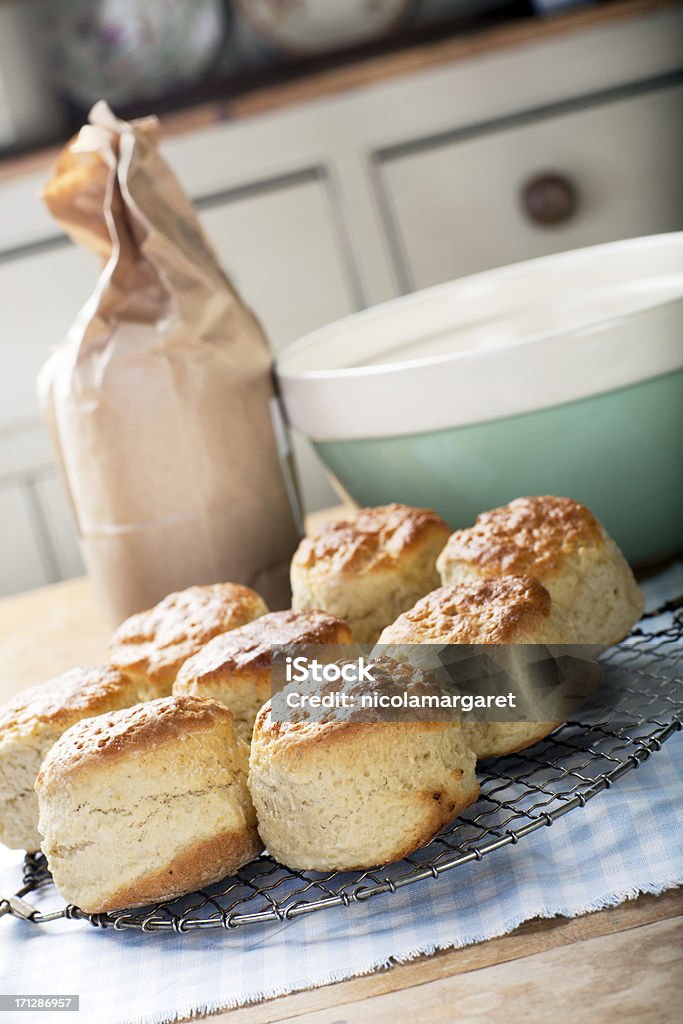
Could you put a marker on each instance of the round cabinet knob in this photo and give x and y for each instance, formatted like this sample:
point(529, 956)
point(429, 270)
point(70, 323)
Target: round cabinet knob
point(550, 199)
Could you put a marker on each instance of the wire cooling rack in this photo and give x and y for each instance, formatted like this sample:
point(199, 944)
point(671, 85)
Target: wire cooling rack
point(638, 707)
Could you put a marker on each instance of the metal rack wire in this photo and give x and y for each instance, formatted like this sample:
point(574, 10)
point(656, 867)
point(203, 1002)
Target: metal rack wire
point(639, 706)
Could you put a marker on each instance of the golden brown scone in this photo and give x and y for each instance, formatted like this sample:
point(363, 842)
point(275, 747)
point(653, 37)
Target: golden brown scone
point(343, 795)
point(146, 804)
point(370, 566)
point(495, 610)
point(235, 668)
point(152, 645)
point(35, 719)
point(563, 545)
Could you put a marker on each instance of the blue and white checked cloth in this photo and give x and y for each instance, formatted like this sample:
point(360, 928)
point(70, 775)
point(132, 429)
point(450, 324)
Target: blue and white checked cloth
point(621, 844)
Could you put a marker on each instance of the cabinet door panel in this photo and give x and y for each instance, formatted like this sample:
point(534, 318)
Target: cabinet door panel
point(21, 567)
point(455, 208)
point(60, 526)
point(283, 252)
point(41, 294)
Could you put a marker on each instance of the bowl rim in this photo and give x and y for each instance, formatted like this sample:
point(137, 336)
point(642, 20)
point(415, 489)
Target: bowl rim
point(380, 309)
point(419, 395)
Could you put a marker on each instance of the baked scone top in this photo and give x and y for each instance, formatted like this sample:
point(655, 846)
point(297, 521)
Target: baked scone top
point(130, 732)
point(158, 641)
point(251, 646)
point(496, 609)
point(66, 699)
point(289, 740)
point(529, 535)
point(371, 539)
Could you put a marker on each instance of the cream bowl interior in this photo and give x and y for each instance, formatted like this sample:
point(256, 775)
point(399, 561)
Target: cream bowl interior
point(500, 343)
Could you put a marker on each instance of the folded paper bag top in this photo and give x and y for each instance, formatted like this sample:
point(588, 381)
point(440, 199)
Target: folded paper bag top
point(158, 401)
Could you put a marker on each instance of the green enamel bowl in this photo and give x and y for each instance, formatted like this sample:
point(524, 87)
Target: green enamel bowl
point(562, 375)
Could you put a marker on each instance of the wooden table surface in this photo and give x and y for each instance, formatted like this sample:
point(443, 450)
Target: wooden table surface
point(623, 964)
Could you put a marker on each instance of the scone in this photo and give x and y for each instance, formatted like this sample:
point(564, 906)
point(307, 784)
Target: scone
point(369, 567)
point(563, 545)
point(235, 668)
point(146, 804)
point(343, 795)
point(35, 719)
point(151, 646)
point(497, 610)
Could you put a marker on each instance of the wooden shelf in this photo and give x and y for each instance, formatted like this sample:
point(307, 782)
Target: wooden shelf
point(369, 71)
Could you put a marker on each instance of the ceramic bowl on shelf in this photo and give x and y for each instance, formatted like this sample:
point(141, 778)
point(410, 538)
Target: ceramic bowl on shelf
point(130, 50)
point(307, 27)
point(561, 375)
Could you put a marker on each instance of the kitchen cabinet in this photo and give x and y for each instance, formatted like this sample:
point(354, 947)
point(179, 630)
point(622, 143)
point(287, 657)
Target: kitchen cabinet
point(41, 289)
point(58, 524)
point(456, 205)
point(323, 207)
point(23, 563)
point(292, 273)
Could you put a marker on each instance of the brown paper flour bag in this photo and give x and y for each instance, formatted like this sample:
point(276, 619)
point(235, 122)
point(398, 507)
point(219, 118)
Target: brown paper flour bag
point(158, 400)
